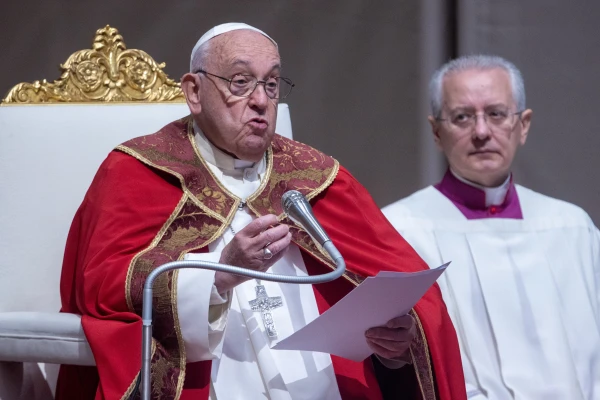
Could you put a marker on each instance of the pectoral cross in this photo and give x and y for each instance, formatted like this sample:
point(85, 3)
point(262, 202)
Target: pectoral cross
point(265, 304)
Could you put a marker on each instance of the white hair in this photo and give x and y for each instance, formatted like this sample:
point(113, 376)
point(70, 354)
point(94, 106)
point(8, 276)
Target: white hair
point(200, 57)
point(475, 62)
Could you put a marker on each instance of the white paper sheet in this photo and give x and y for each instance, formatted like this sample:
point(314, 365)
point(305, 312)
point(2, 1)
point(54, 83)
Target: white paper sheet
point(341, 329)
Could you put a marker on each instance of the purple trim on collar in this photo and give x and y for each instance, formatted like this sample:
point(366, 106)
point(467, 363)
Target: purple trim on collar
point(471, 200)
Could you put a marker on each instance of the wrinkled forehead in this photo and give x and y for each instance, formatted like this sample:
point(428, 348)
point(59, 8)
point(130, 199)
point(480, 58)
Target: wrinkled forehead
point(474, 87)
point(243, 47)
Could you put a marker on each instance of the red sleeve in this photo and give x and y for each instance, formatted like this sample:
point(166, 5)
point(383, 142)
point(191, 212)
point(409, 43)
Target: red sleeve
point(360, 231)
point(123, 210)
point(369, 243)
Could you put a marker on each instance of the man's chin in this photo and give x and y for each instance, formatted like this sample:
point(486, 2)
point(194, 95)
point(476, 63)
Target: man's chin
point(253, 152)
point(487, 163)
point(259, 139)
point(487, 175)
point(261, 133)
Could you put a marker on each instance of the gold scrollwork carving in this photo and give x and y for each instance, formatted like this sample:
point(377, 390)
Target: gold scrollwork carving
point(109, 72)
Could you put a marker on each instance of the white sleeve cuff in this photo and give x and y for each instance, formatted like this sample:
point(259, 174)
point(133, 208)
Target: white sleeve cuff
point(202, 311)
point(216, 298)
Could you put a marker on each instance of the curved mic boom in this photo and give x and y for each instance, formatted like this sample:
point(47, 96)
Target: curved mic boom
point(300, 212)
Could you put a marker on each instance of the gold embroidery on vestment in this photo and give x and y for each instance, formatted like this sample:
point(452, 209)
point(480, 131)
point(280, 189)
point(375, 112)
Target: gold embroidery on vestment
point(131, 387)
point(162, 301)
point(181, 236)
point(328, 181)
point(185, 189)
point(146, 266)
point(422, 363)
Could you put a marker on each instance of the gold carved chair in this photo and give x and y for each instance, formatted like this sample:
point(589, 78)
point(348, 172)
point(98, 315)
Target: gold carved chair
point(53, 137)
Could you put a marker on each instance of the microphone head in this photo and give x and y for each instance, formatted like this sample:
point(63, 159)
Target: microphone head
point(292, 198)
point(298, 209)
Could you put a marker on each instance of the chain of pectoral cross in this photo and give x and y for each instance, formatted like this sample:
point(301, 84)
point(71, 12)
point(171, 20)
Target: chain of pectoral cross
point(263, 303)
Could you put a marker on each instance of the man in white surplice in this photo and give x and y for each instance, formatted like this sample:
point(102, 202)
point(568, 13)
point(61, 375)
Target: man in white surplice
point(523, 288)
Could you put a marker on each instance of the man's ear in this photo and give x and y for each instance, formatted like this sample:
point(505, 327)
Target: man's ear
point(190, 85)
point(525, 122)
point(435, 129)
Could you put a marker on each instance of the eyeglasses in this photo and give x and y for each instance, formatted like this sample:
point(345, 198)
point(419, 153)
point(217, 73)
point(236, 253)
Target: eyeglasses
point(495, 117)
point(277, 88)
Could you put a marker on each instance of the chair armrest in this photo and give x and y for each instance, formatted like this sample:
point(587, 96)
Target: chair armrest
point(55, 338)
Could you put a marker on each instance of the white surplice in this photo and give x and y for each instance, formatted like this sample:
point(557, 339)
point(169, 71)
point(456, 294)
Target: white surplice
point(524, 295)
point(243, 365)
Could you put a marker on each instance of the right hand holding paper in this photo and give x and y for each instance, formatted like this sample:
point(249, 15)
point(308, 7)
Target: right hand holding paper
point(341, 329)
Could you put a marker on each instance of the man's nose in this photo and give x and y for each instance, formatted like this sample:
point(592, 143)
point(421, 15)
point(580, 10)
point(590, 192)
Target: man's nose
point(259, 98)
point(481, 130)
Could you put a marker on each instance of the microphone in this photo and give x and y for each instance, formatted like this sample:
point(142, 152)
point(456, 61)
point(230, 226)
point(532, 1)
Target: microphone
point(300, 212)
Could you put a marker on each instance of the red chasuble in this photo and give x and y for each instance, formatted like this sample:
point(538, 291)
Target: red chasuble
point(154, 199)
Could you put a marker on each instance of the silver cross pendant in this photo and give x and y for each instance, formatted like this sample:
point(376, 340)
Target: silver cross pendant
point(265, 304)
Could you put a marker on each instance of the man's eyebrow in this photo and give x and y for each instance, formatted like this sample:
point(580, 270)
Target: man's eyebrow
point(461, 108)
point(495, 105)
point(471, 108)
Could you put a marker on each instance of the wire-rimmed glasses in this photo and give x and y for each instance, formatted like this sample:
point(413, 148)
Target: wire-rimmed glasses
point(242, 85)
point(496, 117)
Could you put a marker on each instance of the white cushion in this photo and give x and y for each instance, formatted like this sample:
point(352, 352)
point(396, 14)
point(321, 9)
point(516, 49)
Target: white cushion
point(55, 338)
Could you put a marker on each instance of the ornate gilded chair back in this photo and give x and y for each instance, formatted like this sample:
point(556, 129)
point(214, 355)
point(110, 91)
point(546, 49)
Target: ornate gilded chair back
point(108, 72)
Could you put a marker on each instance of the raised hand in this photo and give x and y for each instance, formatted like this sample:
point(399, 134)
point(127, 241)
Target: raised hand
point(247, 249)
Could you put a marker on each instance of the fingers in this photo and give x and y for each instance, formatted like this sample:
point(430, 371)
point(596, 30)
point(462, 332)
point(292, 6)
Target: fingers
point(272, 235)
point(392, 340)
point(397, 335)
point(266, 230)
point(278, 247)
point(259, 225)
point(404, 321)
point(387, 349)
point(397, 329)
point(247, 248)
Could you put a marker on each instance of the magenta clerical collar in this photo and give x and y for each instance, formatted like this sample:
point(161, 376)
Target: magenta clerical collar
point(471, 200)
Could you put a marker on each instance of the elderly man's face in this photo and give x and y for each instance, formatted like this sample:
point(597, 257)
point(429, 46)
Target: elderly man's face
point(241, 126)
point(481, 152)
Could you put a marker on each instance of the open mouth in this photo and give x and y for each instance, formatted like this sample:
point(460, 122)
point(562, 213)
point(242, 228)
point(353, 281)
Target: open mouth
point(258, 123)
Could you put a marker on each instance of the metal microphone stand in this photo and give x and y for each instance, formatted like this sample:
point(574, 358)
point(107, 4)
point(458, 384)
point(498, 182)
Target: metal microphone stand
point(147, 296)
